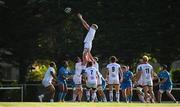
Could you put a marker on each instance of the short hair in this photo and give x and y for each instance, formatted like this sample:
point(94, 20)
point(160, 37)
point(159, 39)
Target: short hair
point(89, 64)
point(52, 64)
point(77, 59)
point(96, 58)
point(95, 25)
point(164, 66)
point(145, 58)
point(125, 67)
point(113, 59)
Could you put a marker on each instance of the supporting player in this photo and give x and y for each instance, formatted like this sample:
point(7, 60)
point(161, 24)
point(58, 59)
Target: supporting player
point(47, 83)
point(165, 84)
point(114, 76)
point(145, 73)
point(77, 78)
point(126, 85)
point(91, 81)
point(138, 84)
point(61, 79)
point(100, 86)
point(88, 40)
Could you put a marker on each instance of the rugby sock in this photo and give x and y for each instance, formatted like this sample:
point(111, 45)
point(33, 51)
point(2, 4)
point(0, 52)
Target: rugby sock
point(141, 98)
point(117, 96)
point(88, 95)
point(104, 98)
point(93, 96)
point(63, 96)
point(74, 96)
point(124, 99)
point(60, 95)
point(51, 100)
point(111, 96)
point(129, 98)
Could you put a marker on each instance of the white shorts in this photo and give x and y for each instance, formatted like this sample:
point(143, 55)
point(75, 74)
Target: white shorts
point(147, 83)
point(113, 81)
point(88, 45)
point(91, 85)
point(77, 79)
point(46, 83)
point(162, 91)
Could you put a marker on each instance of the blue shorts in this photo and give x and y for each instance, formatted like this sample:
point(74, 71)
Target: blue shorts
point(165, 88)
point(61, 82)
point(125, 85)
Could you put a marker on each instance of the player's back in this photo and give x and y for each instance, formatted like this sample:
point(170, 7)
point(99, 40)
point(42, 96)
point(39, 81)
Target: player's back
point(127, 76)
point(78, 68)
point(113, 69)
point(91, 74)
point(48, 76)
point(146, 74)
point(165, 75)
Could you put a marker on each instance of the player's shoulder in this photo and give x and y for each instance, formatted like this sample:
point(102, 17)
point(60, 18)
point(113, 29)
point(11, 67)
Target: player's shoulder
point(148, 64)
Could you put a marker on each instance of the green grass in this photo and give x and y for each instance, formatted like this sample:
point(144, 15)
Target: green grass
point(56, 104)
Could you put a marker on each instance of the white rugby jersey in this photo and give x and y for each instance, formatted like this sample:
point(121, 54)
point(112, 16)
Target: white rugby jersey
point(48, 77)
point(90, 35)
point(91, 74)
point(146, 75)
point(113, 69)
point(78, 68)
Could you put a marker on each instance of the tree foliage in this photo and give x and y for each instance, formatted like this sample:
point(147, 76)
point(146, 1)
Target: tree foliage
point(40, 29)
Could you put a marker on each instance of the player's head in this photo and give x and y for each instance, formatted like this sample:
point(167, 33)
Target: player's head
point(65, 63)
point(140, 60)
point(52, 64)
point(124, 68)
point(145, 58)
point(95, 26)
point(113, 59)
point(89, 64)
point(163, 67)
point(77, 59)
point(96, 59)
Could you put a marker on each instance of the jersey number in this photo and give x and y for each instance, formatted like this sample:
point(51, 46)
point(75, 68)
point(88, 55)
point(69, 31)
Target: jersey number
point(113, 69)
point(91, 72)
point(147, 70)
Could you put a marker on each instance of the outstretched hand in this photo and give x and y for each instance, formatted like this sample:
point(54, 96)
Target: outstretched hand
point(79, 15)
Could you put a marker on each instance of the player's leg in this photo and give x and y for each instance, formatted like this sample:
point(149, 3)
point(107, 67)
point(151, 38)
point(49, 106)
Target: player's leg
point(79, 92)
point(93, 96)
point(110, 92)
point(146, 89)
point(151, 92)
point(123, 89)
point(169, 94)
point(117, 92)
point(101, 93)
point(140, 94)
point(51, 90)
point(46, 84)
point(65, 91)
point(85, 56)
point(129, 92)
point(61, 91)
point(160, 92)
point(88, 87)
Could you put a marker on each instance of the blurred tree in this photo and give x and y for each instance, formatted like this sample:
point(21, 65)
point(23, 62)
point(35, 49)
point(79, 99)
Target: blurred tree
point(40, 29)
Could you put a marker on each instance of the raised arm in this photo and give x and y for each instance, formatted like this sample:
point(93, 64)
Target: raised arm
point(85, 24)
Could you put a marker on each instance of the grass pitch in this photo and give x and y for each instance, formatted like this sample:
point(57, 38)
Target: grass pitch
point(83, 104)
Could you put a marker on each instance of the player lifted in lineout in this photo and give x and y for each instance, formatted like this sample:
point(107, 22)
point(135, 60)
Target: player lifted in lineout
point(87, 56)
